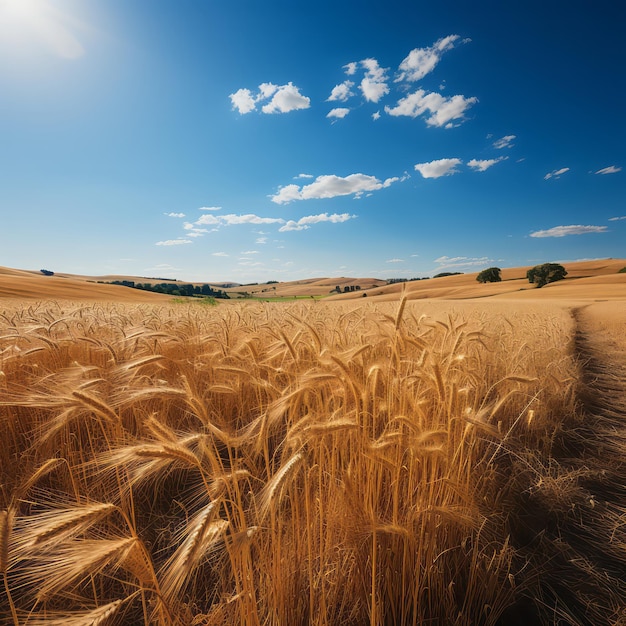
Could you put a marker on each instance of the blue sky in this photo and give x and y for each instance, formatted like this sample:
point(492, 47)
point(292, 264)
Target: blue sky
point(257, 141)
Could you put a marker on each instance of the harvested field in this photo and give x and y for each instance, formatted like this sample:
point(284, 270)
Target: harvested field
point(321, 463)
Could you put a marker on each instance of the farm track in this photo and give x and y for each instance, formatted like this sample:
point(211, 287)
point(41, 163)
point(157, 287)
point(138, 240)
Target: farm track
point(592, 447)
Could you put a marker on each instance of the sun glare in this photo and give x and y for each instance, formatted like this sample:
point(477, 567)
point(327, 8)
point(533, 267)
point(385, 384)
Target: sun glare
point(27, 22)
point(21, 9)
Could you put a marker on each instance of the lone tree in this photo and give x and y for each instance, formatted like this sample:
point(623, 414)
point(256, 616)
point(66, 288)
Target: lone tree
point(490, 275)
point(547, 273)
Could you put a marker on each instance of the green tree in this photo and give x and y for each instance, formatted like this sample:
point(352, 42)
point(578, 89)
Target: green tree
point(547, 273)
point(490, 275)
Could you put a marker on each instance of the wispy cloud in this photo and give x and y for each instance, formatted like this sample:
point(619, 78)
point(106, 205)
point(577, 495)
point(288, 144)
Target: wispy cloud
point(611, 169)
point(556, 173)
point(210, 208)
point(504, 142)
point(173, 242)
point(331, 186)
point(564, 231)
point(338, 113)
point(304, 176)
point(174, 214)
point(438, 168)
point(278, 98)
point(305, 223)
point(233, 219)
point(442, 110)
point(219, 254)
point(422, 61)
point(482, 165)
point(460, 262)
point(616, 219)
point(394, 261)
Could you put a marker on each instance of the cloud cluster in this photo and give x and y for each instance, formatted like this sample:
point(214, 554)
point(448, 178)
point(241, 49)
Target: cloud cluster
point(564, 231)
point(331, 186)
point(278, 99)
point(197, 228)
point(440, 111)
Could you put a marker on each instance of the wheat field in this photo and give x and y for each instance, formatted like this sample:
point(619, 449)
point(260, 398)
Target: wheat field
point(288, 464)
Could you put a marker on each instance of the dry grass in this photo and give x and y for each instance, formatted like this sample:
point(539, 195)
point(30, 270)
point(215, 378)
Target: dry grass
point(302, 464)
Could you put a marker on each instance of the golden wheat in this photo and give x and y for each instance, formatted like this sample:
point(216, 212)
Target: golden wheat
point(303, 464)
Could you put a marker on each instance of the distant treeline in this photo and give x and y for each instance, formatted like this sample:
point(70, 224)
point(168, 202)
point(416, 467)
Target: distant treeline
point(391, 281)
point(172, 289)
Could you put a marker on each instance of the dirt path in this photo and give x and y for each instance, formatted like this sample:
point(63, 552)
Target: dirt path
point(600, 342)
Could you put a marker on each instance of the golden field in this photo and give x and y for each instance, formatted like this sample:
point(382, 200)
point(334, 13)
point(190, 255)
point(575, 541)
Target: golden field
point(399, 459)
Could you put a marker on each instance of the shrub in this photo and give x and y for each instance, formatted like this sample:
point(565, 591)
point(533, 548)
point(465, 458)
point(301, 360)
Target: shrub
point(490, 275)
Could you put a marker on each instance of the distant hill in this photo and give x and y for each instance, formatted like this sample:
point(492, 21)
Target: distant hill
point(586, 280)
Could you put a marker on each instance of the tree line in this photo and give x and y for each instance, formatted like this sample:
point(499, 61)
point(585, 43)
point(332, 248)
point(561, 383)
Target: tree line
point(172, 289)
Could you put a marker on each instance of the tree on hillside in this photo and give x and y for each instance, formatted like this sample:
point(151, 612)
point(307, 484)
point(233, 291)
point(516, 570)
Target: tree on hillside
point(547, 273)
point(490, 275)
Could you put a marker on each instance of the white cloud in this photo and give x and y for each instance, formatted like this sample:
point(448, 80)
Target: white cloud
point(243, 101)
point(304, 176)
point(563, 231)
point(482, 165)
point(284, 98)
point(173, 242)
point(395, 261)
point(233, 219)
point(261, 240)
point(305, 223)
point(350, 68)
point(612, 169)
point(338, 113)
point(504, 142)
point(616, 219)
point(341, 92)
point(459, 262)
point(174, 214)
point(374, 85)
point(422, 61)
point(443, 110)
point(210, 208)
point(249, 218)
point(438, 168)
point(210, 220)
point(376, 116)
point(287, 98)
point(556, 173)
point(250, 252)
point(332, 186)
point(219, 254)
